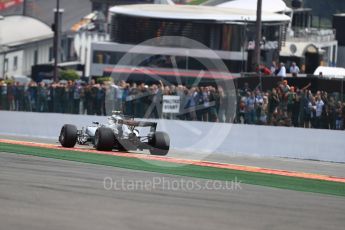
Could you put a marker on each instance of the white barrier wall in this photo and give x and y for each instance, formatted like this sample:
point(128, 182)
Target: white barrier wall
point(202, 138)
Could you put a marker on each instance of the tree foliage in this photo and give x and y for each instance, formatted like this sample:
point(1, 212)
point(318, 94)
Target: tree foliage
point(69, 74)
point(104, 79)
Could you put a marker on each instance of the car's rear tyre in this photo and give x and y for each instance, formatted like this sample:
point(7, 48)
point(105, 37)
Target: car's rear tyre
point(68, 136)
point(104, 139)
point(159, 144)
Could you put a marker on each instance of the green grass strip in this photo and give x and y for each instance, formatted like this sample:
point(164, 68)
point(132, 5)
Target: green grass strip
point(276, 181)
point(196, 2)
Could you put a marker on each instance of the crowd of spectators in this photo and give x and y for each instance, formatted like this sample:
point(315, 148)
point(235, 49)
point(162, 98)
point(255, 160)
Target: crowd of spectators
point(139, 100)
point(284, 105)
point(287, 105)
point(279, 70)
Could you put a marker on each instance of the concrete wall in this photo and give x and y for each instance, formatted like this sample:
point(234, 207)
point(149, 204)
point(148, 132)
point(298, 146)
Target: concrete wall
point(202, 138)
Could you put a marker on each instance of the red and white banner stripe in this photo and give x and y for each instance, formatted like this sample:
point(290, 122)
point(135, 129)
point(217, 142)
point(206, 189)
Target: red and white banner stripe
point(10, 3)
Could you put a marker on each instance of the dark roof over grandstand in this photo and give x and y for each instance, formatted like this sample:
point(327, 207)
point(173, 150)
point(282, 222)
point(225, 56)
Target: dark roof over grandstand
point(43, 10)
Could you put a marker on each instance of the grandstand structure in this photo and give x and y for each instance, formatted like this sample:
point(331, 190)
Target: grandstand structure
point(228, 32)
point(304, 43)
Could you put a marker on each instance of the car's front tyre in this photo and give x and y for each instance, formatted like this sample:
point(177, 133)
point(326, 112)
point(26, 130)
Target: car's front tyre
point(68, 136)
point(104, 139)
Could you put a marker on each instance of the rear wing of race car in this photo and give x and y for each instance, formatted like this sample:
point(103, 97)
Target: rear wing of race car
point(130, 122)
point(133, 124)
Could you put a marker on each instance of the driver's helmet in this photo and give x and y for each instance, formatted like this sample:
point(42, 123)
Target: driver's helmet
point(118, 113)
point(116, 118)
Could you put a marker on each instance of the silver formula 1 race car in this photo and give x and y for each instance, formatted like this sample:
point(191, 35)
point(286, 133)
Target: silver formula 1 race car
point(121, 133)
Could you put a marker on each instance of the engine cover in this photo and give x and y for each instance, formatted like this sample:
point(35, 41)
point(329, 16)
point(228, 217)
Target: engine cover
point(91, 131)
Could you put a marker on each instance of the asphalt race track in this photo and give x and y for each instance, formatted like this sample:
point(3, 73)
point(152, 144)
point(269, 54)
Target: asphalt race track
point(38, 193)
point(42, 193)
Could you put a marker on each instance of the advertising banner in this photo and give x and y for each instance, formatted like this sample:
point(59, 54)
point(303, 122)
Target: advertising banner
point(171, 104)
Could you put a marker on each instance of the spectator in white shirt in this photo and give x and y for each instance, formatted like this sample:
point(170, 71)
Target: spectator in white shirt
point(294, 69)
point(282, 70)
